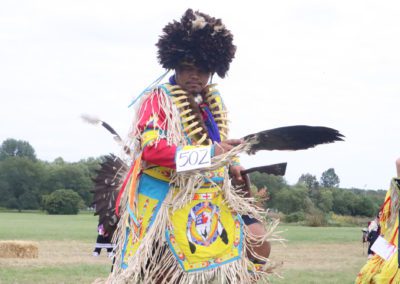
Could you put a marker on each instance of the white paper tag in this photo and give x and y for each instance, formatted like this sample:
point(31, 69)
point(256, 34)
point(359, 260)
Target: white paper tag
point(196, 158)
point(383, 248)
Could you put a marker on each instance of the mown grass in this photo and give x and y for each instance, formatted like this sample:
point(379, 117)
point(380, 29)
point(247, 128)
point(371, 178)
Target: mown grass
point(303, 234)
point(41, 226)
point(311, 255)
point(316, 277)
point(52, 267)
point(70, 274)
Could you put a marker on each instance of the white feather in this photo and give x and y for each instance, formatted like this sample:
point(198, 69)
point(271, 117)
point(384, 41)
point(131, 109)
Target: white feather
point(90, 119)
point(199, 22)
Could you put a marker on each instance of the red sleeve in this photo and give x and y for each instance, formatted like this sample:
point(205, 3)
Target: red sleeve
point(151, 117)
point(160, 154)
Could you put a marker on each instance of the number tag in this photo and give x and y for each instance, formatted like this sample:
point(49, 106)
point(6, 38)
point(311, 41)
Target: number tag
point(383, 248)
point(196, 158)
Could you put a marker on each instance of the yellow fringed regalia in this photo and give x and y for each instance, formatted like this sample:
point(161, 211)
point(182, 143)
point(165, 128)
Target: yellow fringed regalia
point(378, 270)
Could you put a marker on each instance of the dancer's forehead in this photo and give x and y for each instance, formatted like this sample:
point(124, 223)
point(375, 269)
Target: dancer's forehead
point(187, 65)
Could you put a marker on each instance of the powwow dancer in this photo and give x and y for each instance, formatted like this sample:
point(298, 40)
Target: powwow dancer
point(186, 224)
point(187, 211)
point(378, 270)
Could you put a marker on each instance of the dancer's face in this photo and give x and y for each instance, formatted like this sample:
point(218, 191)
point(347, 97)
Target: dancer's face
point(191, 78)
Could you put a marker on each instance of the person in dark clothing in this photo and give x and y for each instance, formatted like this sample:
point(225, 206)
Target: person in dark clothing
point(103, 241)
point(374, 230)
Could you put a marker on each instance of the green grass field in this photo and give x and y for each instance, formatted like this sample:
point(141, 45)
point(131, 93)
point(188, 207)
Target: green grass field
point(310, 255)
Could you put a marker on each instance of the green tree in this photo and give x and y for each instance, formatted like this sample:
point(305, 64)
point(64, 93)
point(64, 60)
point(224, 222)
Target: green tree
point(339, 202)
point(16, 148)
point(92, 165)
point(364, 206)
point(20, 181)
point(29, 200)
point(293, 199)
point(62, 201)
point(59, 161)
point(73, 176)
point(270, 181)
point(343, 202)
point(309, 181)
point(330, 179)
point(325, 202)
point(274, 184)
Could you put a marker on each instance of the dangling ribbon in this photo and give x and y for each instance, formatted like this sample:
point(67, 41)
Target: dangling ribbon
point(149, 87)
point(132, 177)
point(212, 126)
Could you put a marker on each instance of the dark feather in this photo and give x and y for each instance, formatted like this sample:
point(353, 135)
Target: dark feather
point(110, 129)
point(107, 182)
point(297, 137)
point(275, 169)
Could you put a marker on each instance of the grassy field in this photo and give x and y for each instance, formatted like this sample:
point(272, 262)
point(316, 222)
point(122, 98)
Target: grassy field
point(319, 255)
point(311, 255)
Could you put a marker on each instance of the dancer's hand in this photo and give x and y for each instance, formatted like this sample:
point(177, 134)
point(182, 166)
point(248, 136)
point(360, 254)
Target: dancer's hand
point(226, 146)
point(237, 177)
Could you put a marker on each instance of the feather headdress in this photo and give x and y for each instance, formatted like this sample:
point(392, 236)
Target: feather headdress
point(199, 39)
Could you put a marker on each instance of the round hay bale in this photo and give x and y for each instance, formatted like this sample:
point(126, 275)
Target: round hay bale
point(19, 249)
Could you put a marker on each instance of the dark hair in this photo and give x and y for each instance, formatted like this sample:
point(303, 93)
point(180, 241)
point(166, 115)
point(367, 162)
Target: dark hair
point(199, 39)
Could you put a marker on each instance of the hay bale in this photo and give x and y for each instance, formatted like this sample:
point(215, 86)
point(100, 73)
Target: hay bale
point(19, 249)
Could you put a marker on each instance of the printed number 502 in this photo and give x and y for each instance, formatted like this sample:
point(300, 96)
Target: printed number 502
point(193, 159)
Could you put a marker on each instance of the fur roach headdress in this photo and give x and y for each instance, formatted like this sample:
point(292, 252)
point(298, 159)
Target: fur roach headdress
point(199, 39)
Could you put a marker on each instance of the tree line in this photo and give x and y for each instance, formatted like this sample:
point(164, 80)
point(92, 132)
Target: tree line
point(312, 196)
point(29, 183)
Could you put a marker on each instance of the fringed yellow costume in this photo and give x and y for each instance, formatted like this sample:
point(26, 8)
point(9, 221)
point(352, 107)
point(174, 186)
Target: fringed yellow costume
point(377, 270)
point(182, 227)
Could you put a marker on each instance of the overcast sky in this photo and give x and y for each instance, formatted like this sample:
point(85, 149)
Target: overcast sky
point(329, 63)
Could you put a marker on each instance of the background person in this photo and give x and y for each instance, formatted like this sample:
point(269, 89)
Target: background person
point(374, 230)
point(103, 241)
